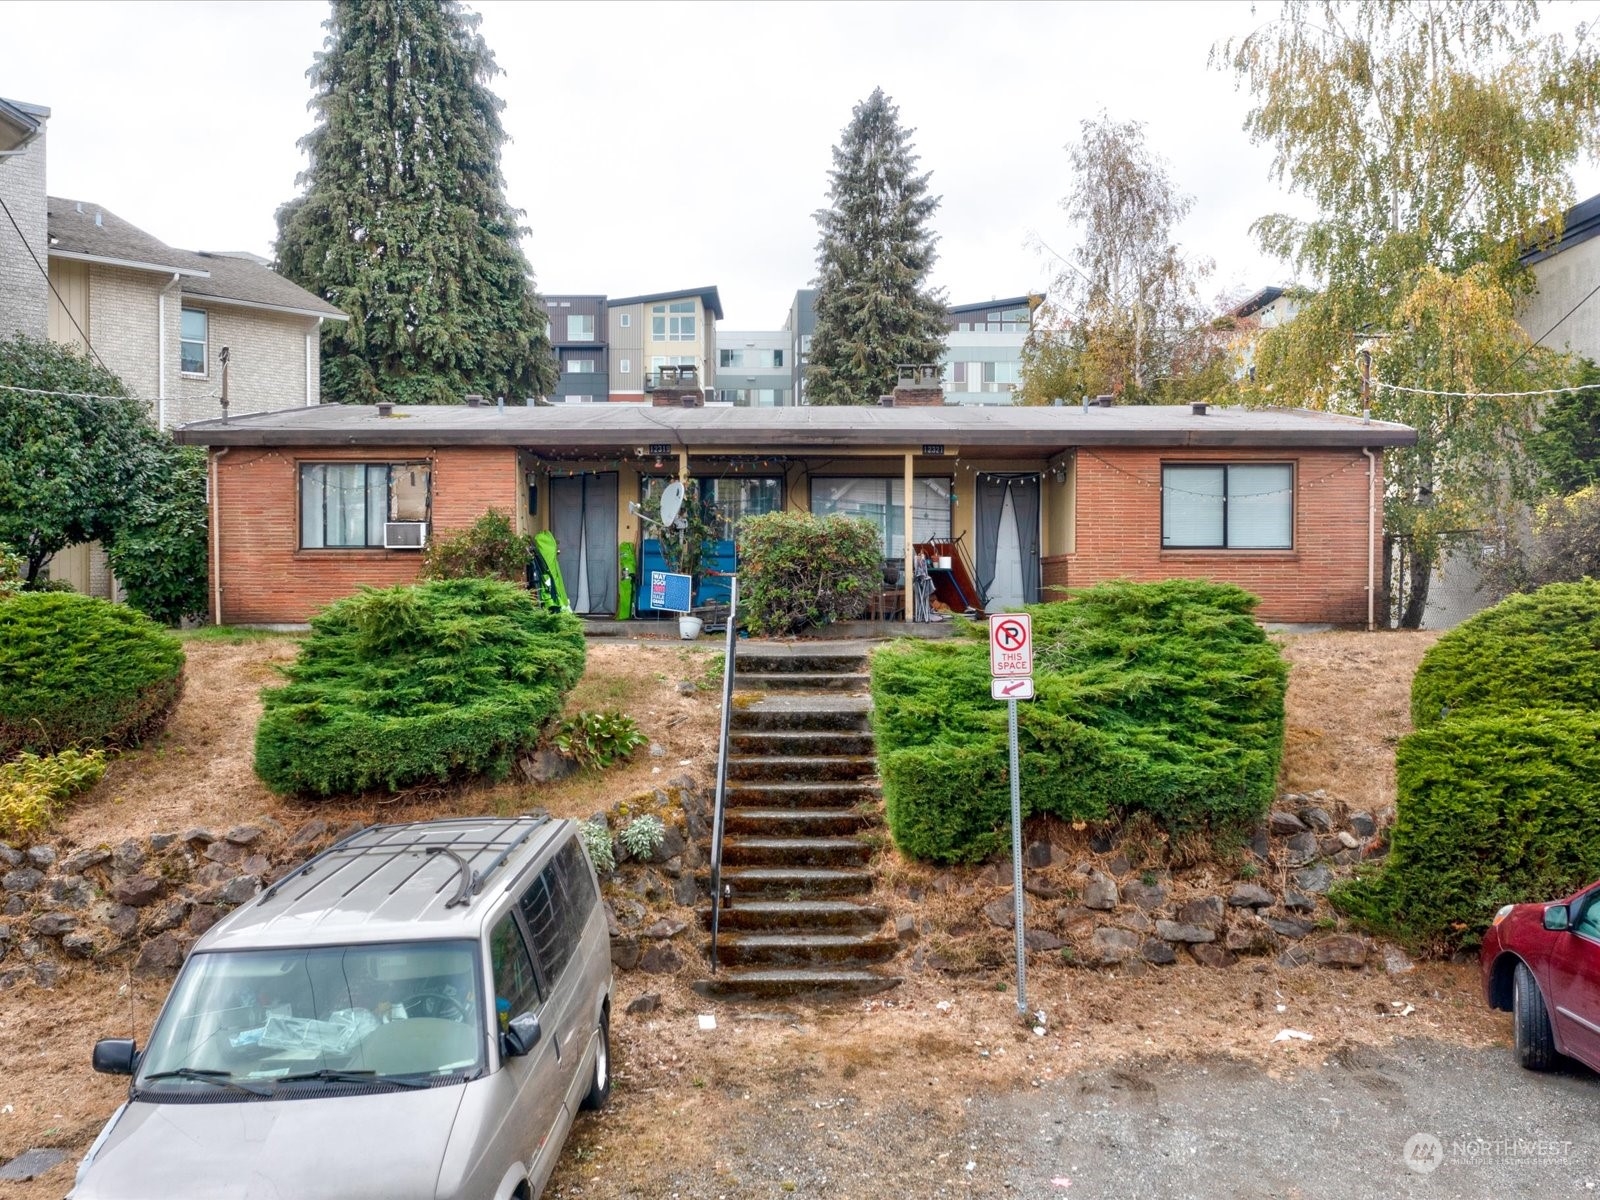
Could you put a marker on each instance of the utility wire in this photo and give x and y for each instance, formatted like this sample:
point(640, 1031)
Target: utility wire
point(1411, 391)
point(51, 284)
point(6, 387)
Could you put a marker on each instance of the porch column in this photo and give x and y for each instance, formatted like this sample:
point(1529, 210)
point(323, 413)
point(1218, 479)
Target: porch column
point(683, 466)
point(908, 578)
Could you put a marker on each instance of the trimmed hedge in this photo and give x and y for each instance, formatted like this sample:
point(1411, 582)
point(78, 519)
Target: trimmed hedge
point(798, 570)
point(1499, 786)
point(1163, 698)
point(80, 672)
point(408, 685)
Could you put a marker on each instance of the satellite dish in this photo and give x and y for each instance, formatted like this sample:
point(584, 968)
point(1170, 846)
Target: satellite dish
point(671, 502)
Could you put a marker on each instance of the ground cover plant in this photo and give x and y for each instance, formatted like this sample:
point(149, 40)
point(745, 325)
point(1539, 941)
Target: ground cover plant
point(408, 685)
point(797, 570)
point(1499, 785)
point(1159, 698)
point(81, 672)
point(33, 788)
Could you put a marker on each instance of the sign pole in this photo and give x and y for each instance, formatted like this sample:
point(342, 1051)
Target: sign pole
point(1016, 860)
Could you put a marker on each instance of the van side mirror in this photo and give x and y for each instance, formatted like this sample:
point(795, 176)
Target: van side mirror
point(1557, 917)
point(521, 1036)
point(115, 1056)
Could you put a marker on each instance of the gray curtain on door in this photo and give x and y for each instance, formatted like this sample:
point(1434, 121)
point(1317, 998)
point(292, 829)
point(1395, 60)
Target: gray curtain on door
point(1025, 498)
point(600, 535)
point(583, 516)
point(991, 502)
point(1025, 503)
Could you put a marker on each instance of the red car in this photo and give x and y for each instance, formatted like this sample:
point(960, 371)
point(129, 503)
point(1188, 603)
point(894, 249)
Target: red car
point(1541, 963)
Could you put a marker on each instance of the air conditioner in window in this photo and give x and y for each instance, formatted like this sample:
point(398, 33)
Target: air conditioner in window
point(405, 535)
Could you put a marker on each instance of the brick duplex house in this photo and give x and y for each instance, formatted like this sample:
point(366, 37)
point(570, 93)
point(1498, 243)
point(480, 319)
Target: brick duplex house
point(155, 315)
point(1285, 503)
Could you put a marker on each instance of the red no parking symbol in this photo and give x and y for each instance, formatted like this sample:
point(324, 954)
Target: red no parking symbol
point(1011, 644)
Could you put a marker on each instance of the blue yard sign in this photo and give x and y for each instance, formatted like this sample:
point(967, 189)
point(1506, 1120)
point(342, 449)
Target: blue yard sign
point(670, 592)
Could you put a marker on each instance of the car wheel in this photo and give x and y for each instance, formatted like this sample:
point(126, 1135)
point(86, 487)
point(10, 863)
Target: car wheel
point(600, 1085)
point(1535, 1044)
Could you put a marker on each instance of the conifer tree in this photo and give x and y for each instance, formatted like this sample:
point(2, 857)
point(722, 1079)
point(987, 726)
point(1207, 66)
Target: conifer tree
point(875, 310)
point(404, 222)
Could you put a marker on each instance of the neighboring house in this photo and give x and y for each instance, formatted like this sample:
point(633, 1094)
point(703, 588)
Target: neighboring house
point(1564, 311)
point(578, 333)
point(156, 316)
point(1267, 309)
point(983, 351)
point(663, 330)
point(1284, 503)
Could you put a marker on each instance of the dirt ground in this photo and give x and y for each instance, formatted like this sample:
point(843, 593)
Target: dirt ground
point(775, 1101)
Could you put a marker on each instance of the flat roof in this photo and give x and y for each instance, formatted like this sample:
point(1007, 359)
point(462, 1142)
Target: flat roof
point(1015, 431)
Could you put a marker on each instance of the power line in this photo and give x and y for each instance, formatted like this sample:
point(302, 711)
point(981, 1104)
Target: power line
point(6, 387)
point(51, 284)
point(1411, 391)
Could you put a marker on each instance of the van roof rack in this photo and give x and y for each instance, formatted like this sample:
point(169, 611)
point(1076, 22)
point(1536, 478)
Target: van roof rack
point(463, 840)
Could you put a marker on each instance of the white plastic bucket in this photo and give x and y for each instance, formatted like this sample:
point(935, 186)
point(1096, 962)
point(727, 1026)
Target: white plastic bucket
point(689, 627)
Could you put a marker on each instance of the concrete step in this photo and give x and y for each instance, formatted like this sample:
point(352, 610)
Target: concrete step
point(848, 794)
point(802, 768)
point(802, 681)
point(738, 949)
point(795, 822)
point(816, 984)
point(754, 712)
point(785, 883)
point(824, 743)
point(780, 916)
point(794, 852)
point(779, 661)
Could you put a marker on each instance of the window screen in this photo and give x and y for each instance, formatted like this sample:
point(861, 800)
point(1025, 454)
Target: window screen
point(1231, 506)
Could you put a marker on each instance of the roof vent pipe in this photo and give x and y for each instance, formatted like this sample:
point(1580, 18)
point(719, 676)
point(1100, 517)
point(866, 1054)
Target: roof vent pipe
point(1198, 408)
point(385, 408)
point(474, 399)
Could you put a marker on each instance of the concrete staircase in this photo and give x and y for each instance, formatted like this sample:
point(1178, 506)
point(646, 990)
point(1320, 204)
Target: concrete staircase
point(802, 790)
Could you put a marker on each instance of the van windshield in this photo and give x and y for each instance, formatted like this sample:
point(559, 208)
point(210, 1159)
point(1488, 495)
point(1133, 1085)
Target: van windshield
point(273, 1022)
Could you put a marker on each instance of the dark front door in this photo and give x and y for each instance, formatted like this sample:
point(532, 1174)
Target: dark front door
point(1008, 540)
point(583, 517)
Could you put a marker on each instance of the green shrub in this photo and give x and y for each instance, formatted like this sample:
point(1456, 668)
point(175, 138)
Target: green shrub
point(797, 570)
point(1499, 786)
point(33, 789)
point(1494, 809)
point(597, 845)
point(159, 551)
point(1161, 698)
point(11, 572)
point(1529, 651)
point(490, 549)
point(76, 671)
point(406, 685)
point(598, 739)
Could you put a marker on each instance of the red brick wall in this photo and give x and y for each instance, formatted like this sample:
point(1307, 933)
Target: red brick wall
point(267, 579)
point(1323, 579)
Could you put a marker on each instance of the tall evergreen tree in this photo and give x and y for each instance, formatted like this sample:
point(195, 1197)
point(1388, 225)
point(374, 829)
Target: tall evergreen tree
point(404, 222)
point(874, 308)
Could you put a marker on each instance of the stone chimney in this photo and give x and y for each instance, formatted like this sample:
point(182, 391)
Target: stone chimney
point(917, 387)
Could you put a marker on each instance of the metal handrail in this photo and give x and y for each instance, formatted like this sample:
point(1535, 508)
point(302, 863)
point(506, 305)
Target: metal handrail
point(728, 659)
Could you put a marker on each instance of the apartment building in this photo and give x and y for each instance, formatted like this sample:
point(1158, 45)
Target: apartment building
point(754, 369)
point(579, 336)
point(983, 350)
point(646, 334)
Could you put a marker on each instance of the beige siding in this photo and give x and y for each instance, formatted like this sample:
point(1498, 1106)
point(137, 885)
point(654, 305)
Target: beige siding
point(22, 287)
point(69, 303)
point(627, 344)
point(267, 367)
point(1564, 280)
point(125, 320)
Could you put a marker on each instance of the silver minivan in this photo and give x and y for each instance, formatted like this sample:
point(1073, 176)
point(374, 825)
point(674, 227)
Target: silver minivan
point(417, 1012)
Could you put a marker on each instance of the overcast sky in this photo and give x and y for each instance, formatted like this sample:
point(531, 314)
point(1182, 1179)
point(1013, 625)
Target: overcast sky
point(657, 146)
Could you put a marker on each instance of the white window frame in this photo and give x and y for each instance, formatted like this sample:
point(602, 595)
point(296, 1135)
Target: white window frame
point(625, 321)
point(205, 343)
point(580, 366)
point(624, 366)
point(892, 525)
point(580, 321)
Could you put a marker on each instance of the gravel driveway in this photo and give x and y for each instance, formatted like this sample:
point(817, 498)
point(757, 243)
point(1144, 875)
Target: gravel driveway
point(1212, 1129)
point(1340, 1130)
